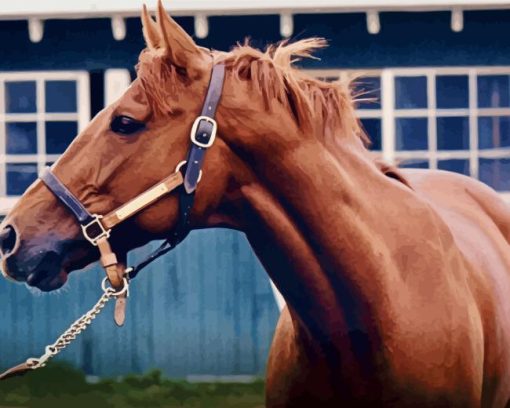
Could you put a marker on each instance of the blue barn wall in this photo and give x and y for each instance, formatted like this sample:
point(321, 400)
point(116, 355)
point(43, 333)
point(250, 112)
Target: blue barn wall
point(206, 308)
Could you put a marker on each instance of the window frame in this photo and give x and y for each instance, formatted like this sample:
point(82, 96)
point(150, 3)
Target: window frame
point(388, 113)
point(81, 116)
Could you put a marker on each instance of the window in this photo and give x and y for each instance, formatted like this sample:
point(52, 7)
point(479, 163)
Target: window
point(368, 96)
point(40, 114)
point(455, 119)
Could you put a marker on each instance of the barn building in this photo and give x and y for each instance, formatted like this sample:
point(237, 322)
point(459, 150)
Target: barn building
point(439, 71)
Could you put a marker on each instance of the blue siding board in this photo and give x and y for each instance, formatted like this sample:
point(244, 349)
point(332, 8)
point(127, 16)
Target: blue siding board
point(172, 306)
point(235, 306)
point(195, 311)
point(226, 337)
point(192, 328)
point(161, 312)
point(247, 281)
point(209, 319)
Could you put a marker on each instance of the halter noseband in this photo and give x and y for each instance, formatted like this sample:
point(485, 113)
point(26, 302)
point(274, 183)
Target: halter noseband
point(97, 228)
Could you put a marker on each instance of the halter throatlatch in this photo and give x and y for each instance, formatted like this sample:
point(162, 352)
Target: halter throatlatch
point(96, 228)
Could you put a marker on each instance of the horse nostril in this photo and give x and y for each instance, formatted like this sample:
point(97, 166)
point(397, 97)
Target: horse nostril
point(7, 240)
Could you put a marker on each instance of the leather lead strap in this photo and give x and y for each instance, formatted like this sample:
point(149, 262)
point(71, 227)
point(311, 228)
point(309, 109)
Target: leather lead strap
point(119, 314)
point(20, 369)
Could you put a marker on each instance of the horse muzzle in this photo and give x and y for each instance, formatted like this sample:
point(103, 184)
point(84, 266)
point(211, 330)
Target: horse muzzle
point(36, 263)
point(8, 245)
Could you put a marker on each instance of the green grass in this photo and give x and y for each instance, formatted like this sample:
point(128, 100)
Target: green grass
point(60, 385)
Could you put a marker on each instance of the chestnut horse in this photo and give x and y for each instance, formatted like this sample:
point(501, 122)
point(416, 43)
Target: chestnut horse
point(397, 281)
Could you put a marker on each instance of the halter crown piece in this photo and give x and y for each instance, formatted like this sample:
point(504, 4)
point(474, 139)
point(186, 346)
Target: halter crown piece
point(96, 228)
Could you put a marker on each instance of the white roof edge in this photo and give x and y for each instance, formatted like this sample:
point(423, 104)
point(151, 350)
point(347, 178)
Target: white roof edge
point(100, 8)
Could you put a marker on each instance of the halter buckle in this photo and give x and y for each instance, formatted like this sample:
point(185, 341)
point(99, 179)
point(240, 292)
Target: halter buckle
point(195, 127)
point(182, 163)
point(94, 230)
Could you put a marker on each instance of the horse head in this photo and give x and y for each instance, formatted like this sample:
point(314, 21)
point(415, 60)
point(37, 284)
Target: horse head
point(140, 139)
point(129, 146)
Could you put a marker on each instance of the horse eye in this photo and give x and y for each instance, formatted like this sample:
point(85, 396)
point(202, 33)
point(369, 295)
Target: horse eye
point(124, 125)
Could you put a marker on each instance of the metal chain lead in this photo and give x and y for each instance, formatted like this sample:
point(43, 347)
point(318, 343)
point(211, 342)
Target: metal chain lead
point(78, 326)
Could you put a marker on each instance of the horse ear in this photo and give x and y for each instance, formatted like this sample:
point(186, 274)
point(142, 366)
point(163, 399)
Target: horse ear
point(179, 46)
point(150, 30)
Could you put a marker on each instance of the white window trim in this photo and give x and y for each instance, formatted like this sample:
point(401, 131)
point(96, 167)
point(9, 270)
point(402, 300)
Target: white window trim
point(97, 8)
point(41, 158)
point(116, 81)
point(387, 113)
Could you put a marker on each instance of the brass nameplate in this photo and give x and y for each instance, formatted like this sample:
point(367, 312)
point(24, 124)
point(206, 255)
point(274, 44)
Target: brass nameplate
point(142, 201)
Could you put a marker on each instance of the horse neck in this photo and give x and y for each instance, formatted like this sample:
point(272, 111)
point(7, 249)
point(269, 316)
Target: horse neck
point(315, 223)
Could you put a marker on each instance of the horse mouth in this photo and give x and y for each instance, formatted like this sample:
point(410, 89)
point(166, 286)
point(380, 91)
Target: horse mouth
point(53, 270)
point(47, 281)
point(48, 275)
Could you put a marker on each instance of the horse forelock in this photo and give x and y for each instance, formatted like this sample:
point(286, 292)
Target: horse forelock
point(158, 79)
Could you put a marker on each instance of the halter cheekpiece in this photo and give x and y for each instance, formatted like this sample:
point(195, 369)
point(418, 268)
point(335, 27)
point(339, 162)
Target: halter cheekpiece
point(96, 228)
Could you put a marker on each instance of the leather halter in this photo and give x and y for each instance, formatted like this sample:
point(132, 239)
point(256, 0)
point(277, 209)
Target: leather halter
point(97, 228)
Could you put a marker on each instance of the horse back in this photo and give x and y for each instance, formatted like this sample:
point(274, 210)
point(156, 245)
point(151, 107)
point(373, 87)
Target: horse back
point(479, 222)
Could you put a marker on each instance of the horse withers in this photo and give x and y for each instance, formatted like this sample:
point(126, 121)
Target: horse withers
point(397, 282)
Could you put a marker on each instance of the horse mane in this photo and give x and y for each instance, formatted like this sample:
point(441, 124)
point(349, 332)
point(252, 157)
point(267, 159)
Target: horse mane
point(326, 108)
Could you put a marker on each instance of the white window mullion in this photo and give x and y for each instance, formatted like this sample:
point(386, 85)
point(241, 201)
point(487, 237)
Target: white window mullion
point(412, 154)
point(41, 126)
point(473, 124)
point(369, 114)
point(432, 125)
point(116, 81)
point(20, 158)
point(423, 113)
point(388, 118)
point(52, 157)
point(453, 154)
point(491, 111)
point(83, 103)
point(33, 117)
point(411, 113)
point(495, 153)
point(3, 143)
point(443, 155)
